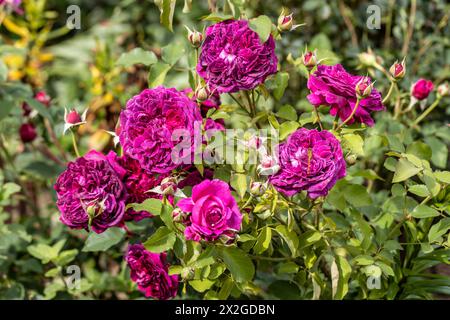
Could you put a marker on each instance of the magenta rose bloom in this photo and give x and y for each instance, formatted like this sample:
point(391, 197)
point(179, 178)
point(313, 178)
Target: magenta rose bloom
point(137, 183)
point(213, 212)
point(334, 87)
point(309, 160)
point(233, 57)
point(90, 192)
point(147, 125)
point(150, 272)
point(421, 89)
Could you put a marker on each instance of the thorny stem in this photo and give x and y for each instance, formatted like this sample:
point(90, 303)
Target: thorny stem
point(351, 115)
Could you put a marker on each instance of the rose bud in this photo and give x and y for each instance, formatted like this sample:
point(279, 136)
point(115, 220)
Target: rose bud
point(26, 109)
point(351, 159)
point(398, 70)
point(195, 37)
point(363, 88)
point(368, 59)
point(421, 89)
point(202, 93)
point(443, 89)
point(43, 98)
point(257, 188)
point(268, 166)
point(286, 22)
point(309, 59)
point(27, 132)
point(169, 187)
point(73, 119)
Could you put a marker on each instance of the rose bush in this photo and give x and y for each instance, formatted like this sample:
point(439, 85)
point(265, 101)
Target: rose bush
point(260, 158)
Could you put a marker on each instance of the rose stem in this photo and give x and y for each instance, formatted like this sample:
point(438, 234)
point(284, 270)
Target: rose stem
point(426, 112)
point(318, 118)
point(74, 142)
point(351, 115)
point(240, 104)
point(391, 89)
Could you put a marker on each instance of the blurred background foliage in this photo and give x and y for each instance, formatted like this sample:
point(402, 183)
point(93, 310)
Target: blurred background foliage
point(78, 69)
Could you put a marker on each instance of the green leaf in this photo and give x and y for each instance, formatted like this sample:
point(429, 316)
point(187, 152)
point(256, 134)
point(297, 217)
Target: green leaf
point(238, 262)
point(281, 81)
point(206, 258)
point(162, 240)
point(263, 240)
point(340, 273)
point(153, 206)
point(137, 56)
point(157, 74)
point(217, 17)
point(420, 150)
point(424, 211)
point(363, 260)
point(287, 112)
point(238, 182)
point(290, 237)
point(43, 252)
point(420, 190)
point(103, 241)
point(404, 169)
point(288, 127)
point(5, 107)
point(167, 10)
point(66, 257)
point(262, 25)
point(355, 143)
point(201, 285)
point(357, 195)
point(439, 152)
point(442, 176)
point(172, 53)
point(439, 229)
point(9, 189)
point(3, 71)
point(40, 108)
point(288, 267)
point(308, 238)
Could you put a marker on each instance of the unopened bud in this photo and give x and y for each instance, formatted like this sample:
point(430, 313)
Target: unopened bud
point(202, 93)
point(169, 186)
point(443, 89)
point(27, 132)
point(351, 159)
point(309, 59)
point(195, 37)
point(368, 59)
point(285, 22)
point(257, 188)
point(43, 98)
point(73, 119)
point(363, 88)
point(398, 70)
point(268, 166)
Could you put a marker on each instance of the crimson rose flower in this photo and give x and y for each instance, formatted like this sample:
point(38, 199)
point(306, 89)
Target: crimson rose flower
point(334, 87)
point(309, 160)
point(214, 212)
point(147, 125)
point(150, 272)
point(90, 192)
point(421, 89)
point(233, 57)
